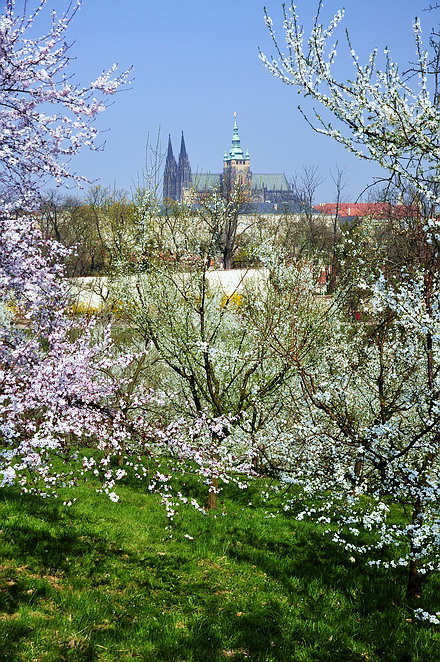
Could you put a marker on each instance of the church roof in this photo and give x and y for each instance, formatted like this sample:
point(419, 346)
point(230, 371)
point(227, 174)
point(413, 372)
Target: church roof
point(206, 181)
point(270, 181)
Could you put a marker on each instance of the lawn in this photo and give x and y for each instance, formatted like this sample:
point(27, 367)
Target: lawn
point(103, 581)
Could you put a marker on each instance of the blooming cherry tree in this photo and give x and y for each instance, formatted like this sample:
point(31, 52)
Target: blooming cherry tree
point(379, 114)
point(374, 398)
point(51, 386)
point(45, 117)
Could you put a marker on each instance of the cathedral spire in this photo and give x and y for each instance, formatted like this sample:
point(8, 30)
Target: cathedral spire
point(183, 148)
point(235, 136)
point(170, 191)
point(184, 178)
point(236, 168)
point(236, 151)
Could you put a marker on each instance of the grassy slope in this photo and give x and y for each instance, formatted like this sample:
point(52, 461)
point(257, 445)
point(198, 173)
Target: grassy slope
point(103, 581)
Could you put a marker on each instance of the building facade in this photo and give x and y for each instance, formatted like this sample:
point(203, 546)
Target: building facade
point(236, 170)
point(180, 184)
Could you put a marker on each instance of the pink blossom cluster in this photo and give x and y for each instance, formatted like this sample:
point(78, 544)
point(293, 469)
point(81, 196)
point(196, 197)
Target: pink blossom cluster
point(52, 388)
point(45, 117)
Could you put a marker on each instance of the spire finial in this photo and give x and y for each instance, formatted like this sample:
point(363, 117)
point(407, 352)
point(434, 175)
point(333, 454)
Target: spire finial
point(170, 147)
point(236, 151)
point(182, 147)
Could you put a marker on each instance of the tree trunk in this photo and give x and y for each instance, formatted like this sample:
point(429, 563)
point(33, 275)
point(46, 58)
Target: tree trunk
point(212, 495)
point(227, 260)
point(414, 586)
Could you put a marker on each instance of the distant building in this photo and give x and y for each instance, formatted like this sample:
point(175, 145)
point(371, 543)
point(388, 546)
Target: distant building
point(179, 183)
point(170, 175)
point(236, 169)
point(184, 176)
point(177, 177)
point(377, 210)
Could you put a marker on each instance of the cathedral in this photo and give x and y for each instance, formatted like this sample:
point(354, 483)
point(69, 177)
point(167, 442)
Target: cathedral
point(177, 177)
point(179, 183)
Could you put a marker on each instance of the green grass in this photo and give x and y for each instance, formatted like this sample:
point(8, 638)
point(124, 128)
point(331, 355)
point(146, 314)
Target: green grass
point(105, 582)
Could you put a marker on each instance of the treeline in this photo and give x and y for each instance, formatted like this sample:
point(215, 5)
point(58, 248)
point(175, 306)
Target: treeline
point(108, 227)
point(94, 229)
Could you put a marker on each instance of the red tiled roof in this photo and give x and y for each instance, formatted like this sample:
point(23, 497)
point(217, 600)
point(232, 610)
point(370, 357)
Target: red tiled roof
point(375, 209)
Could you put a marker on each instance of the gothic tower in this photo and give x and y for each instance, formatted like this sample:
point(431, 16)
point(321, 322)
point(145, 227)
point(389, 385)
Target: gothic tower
point(236, 169)
point(184, 178)
point(170, 190)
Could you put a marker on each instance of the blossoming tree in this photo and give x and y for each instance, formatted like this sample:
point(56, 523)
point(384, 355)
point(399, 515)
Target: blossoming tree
point(376, 428)
point(49, 382)
point(221, 377)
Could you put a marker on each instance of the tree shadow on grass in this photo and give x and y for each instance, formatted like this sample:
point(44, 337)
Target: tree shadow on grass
point(46, 534)
point(43, 543)
point(139, 615)
point(313, 571)
point(312, 557)
point(12, 636)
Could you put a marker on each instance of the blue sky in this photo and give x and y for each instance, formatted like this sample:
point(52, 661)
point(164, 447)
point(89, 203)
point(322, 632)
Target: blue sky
point(196, 62)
